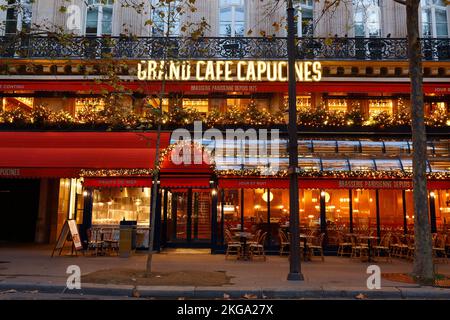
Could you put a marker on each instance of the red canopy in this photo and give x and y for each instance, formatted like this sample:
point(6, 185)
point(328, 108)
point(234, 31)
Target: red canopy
point(64, 154)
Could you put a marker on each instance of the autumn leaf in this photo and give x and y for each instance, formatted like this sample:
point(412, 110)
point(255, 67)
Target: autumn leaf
point(249, 32)
point(361, 296)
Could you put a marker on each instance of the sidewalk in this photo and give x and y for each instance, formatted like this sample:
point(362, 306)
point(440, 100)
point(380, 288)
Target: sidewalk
point(29, 268)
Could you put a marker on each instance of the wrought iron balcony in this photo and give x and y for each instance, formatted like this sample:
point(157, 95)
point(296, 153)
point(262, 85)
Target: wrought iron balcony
point(386, 49)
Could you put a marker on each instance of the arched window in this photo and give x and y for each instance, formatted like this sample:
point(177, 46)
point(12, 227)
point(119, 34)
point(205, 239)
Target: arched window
point(162, 20)
point(434, 19)
point(304, 16)
point(231, 18)
point(367, 18)
point(18, 16)
point(99, 17)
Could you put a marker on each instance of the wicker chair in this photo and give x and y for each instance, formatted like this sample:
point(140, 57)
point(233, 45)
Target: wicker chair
point(383, 247)
point(317, 246)
point(284, 241)
point(343, 245)
point(258, 248)
point(358, 250)
point(232, 245)
point(439, 247)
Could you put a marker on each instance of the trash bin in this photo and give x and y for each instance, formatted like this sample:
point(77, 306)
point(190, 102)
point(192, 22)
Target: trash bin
point(127, 240)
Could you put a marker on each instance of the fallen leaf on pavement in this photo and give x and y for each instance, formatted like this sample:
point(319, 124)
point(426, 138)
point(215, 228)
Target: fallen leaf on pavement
point(33, 291)
point(180, 298)
point(250, 296)
point(135, 294)
point(361, 296)
point(9, 291)
point(226, 296)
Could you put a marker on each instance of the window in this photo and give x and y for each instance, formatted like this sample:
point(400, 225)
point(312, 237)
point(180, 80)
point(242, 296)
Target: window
point(164, 17)
point(367, 18)
point(18, 17)
point(434, 19)
point(99, 17)
point(304, 14)
point(232, 18)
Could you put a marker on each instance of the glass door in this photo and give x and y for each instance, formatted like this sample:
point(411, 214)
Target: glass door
point(201, 216)
point(189, 219)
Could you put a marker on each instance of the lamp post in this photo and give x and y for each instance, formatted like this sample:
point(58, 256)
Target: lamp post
point(294, 258)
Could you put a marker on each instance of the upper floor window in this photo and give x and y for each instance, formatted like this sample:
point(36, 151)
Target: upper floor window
point(165, 18)
point(18, 16)
point(99, 17)
point(434, 19)
point(232, 18)
point(367, 18)
point(304, 13)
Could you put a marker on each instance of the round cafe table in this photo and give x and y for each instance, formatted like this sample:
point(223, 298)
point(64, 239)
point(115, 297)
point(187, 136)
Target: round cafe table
point(369, 245)
point(243, 237)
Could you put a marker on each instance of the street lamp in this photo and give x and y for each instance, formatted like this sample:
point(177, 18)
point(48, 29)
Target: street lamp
point(294, 258)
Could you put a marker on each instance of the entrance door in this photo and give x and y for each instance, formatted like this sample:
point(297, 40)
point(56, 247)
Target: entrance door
point(190, 217)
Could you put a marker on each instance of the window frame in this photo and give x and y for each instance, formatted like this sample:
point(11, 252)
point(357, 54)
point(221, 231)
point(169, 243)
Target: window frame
point(431, 6)
point(224, 4)
point(98, 5)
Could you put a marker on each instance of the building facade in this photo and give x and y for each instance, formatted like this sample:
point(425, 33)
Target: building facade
point(70, 76)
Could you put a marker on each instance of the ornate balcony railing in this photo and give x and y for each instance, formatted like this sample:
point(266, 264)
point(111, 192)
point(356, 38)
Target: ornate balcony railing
point(217, 48)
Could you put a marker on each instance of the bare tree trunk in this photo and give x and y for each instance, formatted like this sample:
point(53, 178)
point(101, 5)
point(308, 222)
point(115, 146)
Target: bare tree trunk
point(423, 269)
point(151, 235)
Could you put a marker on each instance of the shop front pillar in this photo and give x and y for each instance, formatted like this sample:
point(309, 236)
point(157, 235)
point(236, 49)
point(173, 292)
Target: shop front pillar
point(405, 221)
point(214, 204)
point(157, 234)
point(87, 213)
point(323, 216)
point(377, 203)
point(433, 212)
point(164, 223)
point(350, 208)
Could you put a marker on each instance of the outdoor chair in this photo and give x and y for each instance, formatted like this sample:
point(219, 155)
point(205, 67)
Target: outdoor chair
point(284, 242)
point(232, 245)
point(411, 247)
point(344, 247)
point(317, 246)
point(258, 248)
point(255, 238)
point(383, 247)
point(439, 247)
point(358, 250)
point(94, 240)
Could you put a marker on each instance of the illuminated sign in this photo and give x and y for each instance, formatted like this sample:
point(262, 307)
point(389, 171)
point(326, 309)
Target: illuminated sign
point(212, 70)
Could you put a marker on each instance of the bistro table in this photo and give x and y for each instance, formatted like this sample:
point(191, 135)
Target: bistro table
point(369, 245)
point(304, 238)
point(243, 237)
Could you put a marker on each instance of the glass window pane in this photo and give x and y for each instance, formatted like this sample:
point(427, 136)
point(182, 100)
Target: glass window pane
point(348, 146)
point(441, 148)
point(324, 146)
point(372, 147)
point(309, 164)
point(361, 165)
point(396, 147)
point(335, 165)
point(383, 164)
point(391, 210)
point(91, 21)
point(440, 165)
point(364, 211)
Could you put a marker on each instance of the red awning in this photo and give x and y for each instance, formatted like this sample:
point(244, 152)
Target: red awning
point(64, 154)
point(185, 181)
point(201, 87)
point(118, 182)
point(325, 183)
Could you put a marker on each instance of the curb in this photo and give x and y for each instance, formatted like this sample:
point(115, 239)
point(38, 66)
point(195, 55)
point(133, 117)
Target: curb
point(236, 293)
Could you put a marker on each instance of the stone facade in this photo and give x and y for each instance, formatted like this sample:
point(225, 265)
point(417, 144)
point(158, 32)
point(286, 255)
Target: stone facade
point(260, 17)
